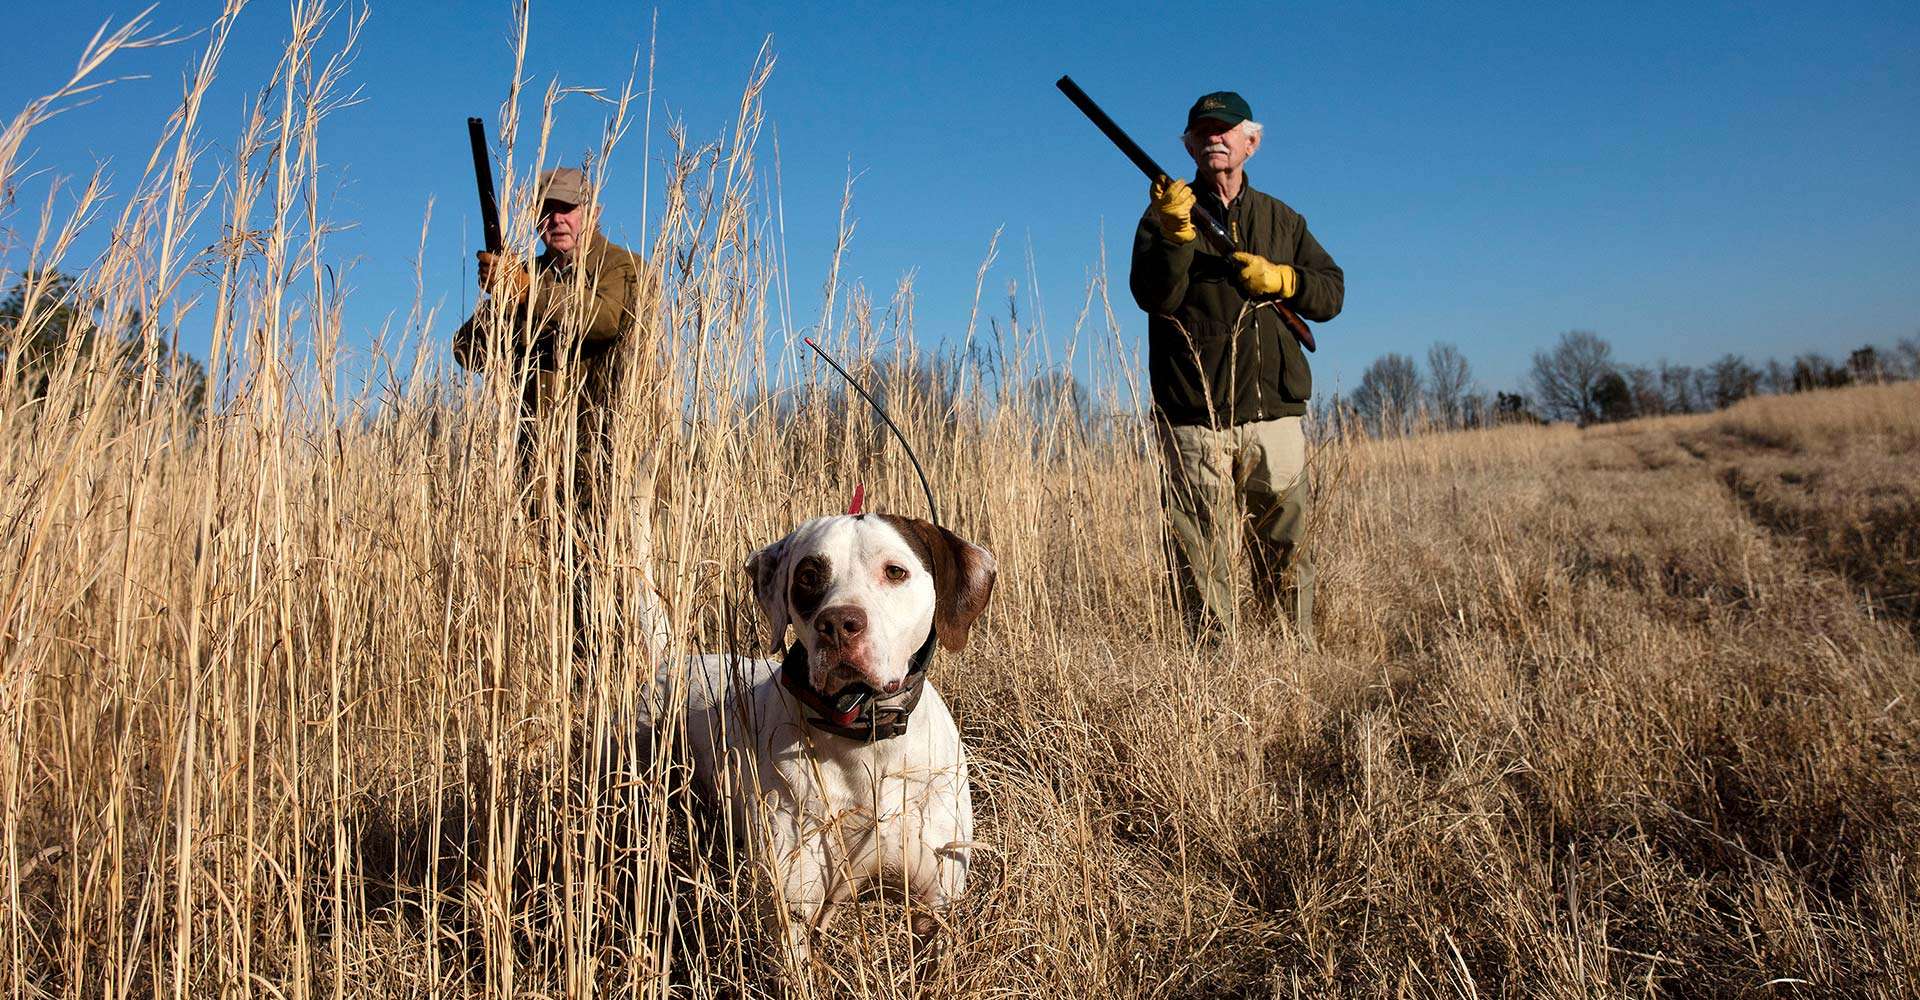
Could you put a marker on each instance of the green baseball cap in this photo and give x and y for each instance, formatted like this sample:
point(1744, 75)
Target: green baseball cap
point(1221, 105)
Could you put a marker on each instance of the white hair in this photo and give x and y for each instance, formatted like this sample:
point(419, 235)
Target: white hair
point(1250, 127)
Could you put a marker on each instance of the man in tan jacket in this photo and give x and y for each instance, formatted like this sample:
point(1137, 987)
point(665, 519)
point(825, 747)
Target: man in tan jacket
point(570, 326)
point(572, 316)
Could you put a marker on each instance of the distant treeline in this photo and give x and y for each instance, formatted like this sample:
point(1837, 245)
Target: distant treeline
point(1579, 381)
point(52, 328)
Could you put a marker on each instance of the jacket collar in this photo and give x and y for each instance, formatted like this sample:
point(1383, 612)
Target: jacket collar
point(1205, 190)
point(592, 247)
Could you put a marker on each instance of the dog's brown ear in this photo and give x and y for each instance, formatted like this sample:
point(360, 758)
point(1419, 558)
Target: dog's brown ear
point(767, 569)
point(963, 575)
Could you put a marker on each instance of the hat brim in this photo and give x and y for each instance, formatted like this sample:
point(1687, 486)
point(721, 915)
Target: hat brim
point(1227, 118)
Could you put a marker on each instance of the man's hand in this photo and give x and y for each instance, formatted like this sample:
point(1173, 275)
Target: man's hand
point(1173, 206)
point(467, 348)
point(503, 278)
point(1263, 277)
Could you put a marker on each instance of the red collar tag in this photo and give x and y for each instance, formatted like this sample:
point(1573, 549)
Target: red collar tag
point(859, 495)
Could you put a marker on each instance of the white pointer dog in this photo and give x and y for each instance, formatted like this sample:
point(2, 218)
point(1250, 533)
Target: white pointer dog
point(826, 780)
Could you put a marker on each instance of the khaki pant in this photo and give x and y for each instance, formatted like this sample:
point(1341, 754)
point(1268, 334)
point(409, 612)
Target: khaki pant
point(1238, 494)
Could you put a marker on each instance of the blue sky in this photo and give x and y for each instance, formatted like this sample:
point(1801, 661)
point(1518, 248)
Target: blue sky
point(1686, 180)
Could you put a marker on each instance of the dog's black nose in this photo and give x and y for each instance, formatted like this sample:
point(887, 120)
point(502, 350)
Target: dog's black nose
point(840, 623)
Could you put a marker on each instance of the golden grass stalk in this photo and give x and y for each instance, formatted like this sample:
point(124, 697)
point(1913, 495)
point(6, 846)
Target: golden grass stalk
point(300, 700)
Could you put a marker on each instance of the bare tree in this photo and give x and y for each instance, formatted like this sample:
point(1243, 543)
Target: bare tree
point(1476, 410)
point(1813, 371)
point(1062, 410)
point(1643, 384)
point(47, 315)
point(1907, 353)
point(1448, 379)
point(1680, 384)
point(1732, 380)
point(1777, 379)
point(1565, 378)
point(1866, 366)
point(1513, 408)
point(1328, 417)
point(1388, 393)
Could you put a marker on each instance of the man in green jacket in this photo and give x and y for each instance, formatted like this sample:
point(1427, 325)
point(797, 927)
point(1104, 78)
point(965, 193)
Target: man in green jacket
point(1230, 383)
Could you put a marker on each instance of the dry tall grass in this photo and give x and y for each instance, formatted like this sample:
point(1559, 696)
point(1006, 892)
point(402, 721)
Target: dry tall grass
point(294, 706)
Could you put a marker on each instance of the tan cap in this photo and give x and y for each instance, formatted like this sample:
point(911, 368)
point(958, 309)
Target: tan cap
point(566, 184)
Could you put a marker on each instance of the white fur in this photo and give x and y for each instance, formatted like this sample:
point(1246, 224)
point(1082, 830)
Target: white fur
point(820, 814)
point(859, 549)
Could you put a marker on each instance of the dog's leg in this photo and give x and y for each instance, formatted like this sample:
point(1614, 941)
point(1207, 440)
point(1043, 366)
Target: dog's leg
point(920, 866)
point(800, 902)
point(796, 945)
point(787, 919)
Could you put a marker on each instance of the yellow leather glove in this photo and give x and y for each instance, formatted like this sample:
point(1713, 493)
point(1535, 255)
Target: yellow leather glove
point(1264, 277)
point(1173, 206)
point(503, 277)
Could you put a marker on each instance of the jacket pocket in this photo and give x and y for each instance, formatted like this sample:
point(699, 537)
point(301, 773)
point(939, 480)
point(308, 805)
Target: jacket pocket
point(1194, 366)
point(1296, 379)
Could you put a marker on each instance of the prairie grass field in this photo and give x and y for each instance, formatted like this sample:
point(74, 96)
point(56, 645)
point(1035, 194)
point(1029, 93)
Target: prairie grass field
point(301, 697)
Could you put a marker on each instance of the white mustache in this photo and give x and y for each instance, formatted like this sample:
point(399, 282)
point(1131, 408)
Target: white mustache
point(1215, 147)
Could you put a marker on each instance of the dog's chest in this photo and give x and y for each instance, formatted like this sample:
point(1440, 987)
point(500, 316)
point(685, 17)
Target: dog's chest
point(752, 745)
point(823, 773)
point(918, 778)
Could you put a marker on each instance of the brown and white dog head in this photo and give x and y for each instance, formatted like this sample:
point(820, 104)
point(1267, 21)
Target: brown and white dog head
point(861, 591)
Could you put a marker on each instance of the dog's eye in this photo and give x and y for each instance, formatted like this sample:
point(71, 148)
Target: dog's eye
point(896, 572)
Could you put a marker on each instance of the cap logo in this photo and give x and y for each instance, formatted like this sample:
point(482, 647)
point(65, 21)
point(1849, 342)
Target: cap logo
point(1213, 103)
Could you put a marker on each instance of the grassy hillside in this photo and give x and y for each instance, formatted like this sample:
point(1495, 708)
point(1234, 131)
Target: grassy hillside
point(294, 703)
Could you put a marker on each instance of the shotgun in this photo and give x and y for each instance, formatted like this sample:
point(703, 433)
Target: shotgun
point(483, 178)
point(469, 354)
point(1209, 227)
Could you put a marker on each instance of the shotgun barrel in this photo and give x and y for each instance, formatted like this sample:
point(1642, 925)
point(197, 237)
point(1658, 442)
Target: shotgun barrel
point(1210, 227)
point(483, 178)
